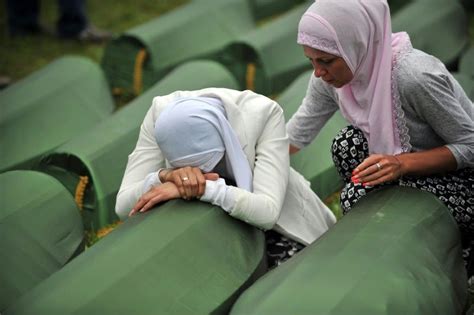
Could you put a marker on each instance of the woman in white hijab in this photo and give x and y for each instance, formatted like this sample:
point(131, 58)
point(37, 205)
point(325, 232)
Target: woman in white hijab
point(228, 148)
point(411, 122)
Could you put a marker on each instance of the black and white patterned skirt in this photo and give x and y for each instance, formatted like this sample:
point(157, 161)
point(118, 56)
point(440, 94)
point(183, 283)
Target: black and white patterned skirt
point(280, 248)
point(455, 189)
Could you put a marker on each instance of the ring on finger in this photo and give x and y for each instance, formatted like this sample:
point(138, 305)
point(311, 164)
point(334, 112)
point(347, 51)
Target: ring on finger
point(184, 178)
point(379, 167)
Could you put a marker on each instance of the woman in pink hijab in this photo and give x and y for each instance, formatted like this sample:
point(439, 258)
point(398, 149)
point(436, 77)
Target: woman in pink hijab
point(411, 123)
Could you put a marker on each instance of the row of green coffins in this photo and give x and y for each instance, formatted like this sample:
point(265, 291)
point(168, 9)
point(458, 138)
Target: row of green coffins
point(100, 155)
point(41, 216)
point(397, 252)
point(186, 258)
point(92, 163)
point(195, 259)
point(264, 58)
point(224, 31)
point(80, 103)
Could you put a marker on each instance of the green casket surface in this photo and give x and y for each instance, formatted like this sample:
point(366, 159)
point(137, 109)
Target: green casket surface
point(467, 83)
point(397, 252)
point(40, 230)
point(437, 27)
point(102, 153)
point(267, 8)
point(466, 64)
point(314, 162)
point(180, 258)
point(49, 107)
point(396, 5)
point(191, 31)
point(267, 59)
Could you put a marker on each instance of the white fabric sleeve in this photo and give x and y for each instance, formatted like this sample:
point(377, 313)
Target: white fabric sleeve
point(263, 206)
point(152, 180)
point(318, 106)
point(145, 159)
point(218, 193)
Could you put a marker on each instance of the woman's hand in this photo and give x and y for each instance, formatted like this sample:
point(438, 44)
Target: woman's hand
point(155, 195)
point(190, 181)
point(377, 169)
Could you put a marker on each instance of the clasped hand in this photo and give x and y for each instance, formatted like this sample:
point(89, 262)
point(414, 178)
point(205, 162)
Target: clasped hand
point(187, 183)
point(377, 169)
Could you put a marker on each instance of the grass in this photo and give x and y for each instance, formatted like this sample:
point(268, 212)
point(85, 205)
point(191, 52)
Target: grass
point(22, 55)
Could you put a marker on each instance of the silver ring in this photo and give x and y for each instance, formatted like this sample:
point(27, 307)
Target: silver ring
point(184, 178)
point(379, 167)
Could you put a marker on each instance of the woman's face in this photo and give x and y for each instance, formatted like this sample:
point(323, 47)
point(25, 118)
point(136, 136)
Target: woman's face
point(330, 68)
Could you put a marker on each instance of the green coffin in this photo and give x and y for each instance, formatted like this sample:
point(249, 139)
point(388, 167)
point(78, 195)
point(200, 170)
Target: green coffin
point(143, 55)
point(267, 59)
point(396, 5)
point(267, 8)
point(40, 230)
point(101, 154)
point(437, 27)
point(397, 252)
point(314, 162)
point(466, 64)
point(63, 99)
point(467, 83)
point(181, 258)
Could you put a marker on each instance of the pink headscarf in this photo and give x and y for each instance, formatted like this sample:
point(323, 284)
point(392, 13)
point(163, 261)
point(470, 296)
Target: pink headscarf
point(360, 32)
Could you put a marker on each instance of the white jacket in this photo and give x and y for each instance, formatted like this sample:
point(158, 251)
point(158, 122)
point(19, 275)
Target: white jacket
point(281, 199)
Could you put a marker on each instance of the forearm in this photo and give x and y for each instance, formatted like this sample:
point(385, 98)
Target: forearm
point(380, 168)
point(437, 160)
point(259, 210)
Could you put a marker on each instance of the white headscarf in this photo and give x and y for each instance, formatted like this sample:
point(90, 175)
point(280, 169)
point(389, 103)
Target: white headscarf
point(194, 131)
point(360, 32)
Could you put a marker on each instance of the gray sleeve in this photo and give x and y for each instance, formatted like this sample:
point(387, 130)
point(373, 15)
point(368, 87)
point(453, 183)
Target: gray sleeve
point(317, 107)
point(438, 99)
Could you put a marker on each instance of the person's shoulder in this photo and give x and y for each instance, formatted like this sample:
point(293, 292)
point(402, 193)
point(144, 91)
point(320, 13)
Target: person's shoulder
point(418, 69)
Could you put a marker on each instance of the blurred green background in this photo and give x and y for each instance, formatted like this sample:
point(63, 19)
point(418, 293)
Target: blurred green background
point(21, 56)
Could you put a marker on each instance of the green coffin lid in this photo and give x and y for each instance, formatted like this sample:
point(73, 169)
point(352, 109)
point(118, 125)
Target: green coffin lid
point(40, 230)
point(314, 162)
point(101, 154)
point(437, 27)
point(466, 64)
point(267, 59)
point(63, 99)
point(467, 83)
point(397, 252)
point(143, 55)
point(180, 258)
point(396, 5)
